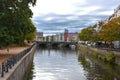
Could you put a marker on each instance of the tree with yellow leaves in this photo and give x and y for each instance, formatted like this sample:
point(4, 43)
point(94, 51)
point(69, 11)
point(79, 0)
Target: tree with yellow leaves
point(111, 30)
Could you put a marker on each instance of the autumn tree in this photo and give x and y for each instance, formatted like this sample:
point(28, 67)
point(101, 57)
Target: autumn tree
point(110, 31)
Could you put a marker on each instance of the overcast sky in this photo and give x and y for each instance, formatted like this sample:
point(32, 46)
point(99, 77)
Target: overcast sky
point(53, 16)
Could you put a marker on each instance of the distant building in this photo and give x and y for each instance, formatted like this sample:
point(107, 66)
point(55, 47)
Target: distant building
point(47, 38)
point(61, 37)
point(72, 37)
point(39, 36)
point(65, 35)
point(58, 37)
point(116, 13)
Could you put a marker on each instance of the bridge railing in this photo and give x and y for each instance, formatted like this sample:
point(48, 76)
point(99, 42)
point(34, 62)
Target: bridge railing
point(8, 64)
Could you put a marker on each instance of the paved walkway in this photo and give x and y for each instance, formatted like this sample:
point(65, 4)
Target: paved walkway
point(4, 54)
point(103, 51)
point(13, 50)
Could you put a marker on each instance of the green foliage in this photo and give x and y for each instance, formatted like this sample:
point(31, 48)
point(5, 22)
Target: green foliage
point(109, 31)
point(110, 57)
point(5, 38)
point(101, 57)
point(95, 54)
point(30, 36)
point(84, 62)
point(89, 34)
point(84, 50)
point(85, 34)
point(15, 22)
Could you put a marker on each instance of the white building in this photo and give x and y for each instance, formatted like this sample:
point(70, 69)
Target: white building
point(39, 36)
point(116, 13)
point(61, 37)
point(58, 37)
point(49, 38)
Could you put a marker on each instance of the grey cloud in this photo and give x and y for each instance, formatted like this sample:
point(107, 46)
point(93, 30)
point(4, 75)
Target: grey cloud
point(74, 23)
point(104, 3)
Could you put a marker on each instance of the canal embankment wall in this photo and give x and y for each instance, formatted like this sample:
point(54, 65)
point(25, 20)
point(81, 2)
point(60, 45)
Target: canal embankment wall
point(18, 70)
point(102, 52)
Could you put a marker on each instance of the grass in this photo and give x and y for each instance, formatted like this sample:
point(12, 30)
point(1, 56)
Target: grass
point(107, 58)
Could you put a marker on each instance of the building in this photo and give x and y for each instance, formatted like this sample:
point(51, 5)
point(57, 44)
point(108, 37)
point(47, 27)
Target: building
point(61, 37)
point(116, 13)
point(72, 37)
point(65, 35)
point(39, 36)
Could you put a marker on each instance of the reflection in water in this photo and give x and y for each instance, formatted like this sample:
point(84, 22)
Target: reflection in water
point(29, 73)
point(98, 71)
point(65, 64)
point(56, 64)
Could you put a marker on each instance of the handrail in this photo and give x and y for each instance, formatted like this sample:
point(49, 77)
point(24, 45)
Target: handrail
point(8, 64)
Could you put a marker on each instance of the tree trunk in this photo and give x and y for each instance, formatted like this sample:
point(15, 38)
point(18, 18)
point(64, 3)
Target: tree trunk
point(8, 49)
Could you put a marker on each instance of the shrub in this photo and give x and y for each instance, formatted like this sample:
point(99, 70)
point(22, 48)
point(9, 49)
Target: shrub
point(110, 57)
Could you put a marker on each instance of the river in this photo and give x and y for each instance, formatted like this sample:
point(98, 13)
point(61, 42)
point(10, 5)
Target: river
point(66, 64)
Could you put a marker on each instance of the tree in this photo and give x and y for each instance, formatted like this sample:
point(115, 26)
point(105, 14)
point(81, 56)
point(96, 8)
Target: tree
point(15, 22)
point(111, 30)
point(30, 37)
point(89, 34)
point(84, 35)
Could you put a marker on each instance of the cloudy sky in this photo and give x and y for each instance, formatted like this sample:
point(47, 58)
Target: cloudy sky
point(53, 16)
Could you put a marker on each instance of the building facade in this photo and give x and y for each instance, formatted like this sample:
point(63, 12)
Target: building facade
point(39, 36)
point(65, 35)
point(116, 13)
point(72, 37)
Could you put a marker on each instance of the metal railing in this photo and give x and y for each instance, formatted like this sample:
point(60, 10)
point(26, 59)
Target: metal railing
point(8, 64)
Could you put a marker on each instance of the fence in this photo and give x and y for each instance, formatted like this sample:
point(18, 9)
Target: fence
point(8, 64)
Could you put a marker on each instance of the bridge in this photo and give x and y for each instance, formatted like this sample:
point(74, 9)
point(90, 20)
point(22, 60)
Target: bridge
point(55, 44)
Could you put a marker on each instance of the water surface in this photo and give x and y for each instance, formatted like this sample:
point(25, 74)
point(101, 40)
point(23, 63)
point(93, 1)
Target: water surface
point(64, 64)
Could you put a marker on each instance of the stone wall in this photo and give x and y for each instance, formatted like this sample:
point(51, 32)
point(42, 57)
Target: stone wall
point(102, 52)
point(17, 72)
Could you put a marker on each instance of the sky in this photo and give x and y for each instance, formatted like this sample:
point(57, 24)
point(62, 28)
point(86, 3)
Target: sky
point(53, 16)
